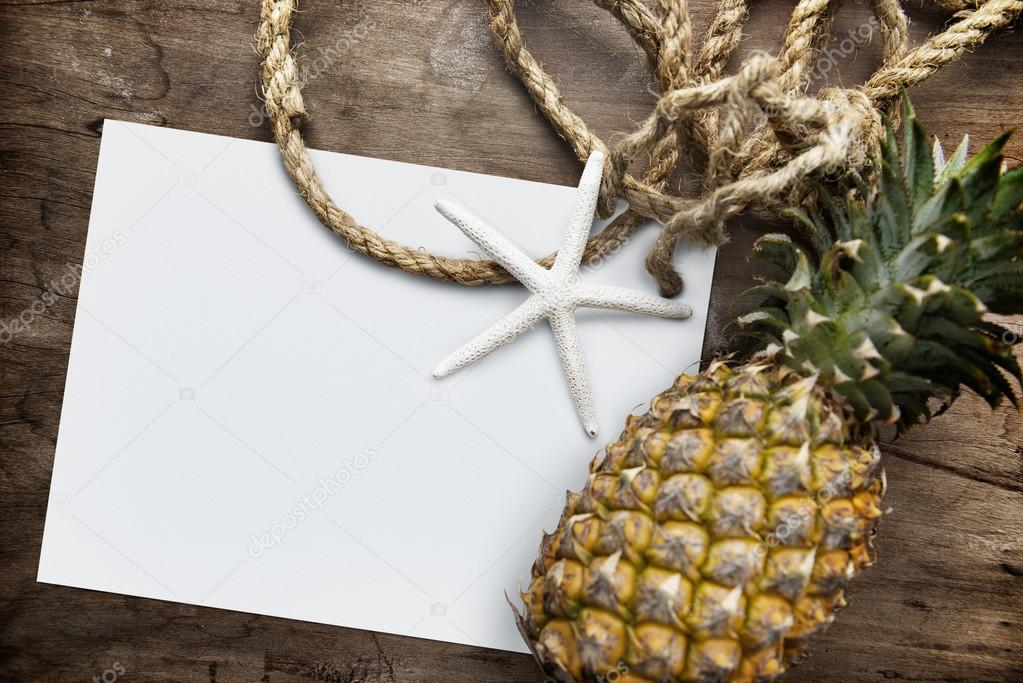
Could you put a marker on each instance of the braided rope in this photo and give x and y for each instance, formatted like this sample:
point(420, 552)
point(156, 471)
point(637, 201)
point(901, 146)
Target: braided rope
point(755, 138)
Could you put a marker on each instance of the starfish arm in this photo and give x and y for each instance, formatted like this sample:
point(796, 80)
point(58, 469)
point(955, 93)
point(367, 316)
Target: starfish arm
point(580, 221)
point(567, 338)
point(522, 268)
point(621, 299)
point(491, 339)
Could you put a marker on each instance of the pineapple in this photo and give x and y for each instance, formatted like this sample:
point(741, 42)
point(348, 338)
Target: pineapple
point(719, 531)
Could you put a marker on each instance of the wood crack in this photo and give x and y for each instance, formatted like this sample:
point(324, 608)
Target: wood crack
point(52, 129)
point(963, 472)
point(44, 199)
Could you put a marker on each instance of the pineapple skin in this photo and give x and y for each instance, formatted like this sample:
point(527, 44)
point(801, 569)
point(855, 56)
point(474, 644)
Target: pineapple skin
point(717, 534)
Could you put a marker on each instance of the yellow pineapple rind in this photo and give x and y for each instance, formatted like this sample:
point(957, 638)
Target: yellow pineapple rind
point(717, 534)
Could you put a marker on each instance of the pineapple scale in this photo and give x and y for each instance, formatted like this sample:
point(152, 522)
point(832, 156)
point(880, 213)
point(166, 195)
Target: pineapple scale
point(717, 533)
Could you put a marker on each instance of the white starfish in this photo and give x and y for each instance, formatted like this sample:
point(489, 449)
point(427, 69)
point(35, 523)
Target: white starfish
point(555, 293)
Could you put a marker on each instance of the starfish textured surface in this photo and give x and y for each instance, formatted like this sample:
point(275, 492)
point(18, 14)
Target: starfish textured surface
point(554, 293)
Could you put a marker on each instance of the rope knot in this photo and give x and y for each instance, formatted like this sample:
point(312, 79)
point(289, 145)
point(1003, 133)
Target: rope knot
point(864, 119)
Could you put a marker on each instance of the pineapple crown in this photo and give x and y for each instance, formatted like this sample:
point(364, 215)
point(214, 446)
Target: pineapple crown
point(886, 303)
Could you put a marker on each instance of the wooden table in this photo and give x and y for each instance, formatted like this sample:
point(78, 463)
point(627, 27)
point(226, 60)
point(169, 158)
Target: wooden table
point(422, 83)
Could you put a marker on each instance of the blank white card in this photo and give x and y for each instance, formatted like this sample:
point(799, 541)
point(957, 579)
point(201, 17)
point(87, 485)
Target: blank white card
point(249, 420)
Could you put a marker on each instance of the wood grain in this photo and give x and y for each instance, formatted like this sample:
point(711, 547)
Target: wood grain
point(945, 602)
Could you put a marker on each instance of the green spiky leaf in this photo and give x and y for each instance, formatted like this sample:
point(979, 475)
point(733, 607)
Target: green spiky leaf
point(889, 305)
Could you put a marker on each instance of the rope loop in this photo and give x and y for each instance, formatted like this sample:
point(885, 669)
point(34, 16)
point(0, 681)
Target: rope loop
point(756, 139)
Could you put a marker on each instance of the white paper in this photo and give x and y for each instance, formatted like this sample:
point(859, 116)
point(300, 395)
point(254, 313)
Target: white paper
point(249, 420)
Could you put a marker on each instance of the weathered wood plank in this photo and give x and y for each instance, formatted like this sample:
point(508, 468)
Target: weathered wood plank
point(946, 599)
